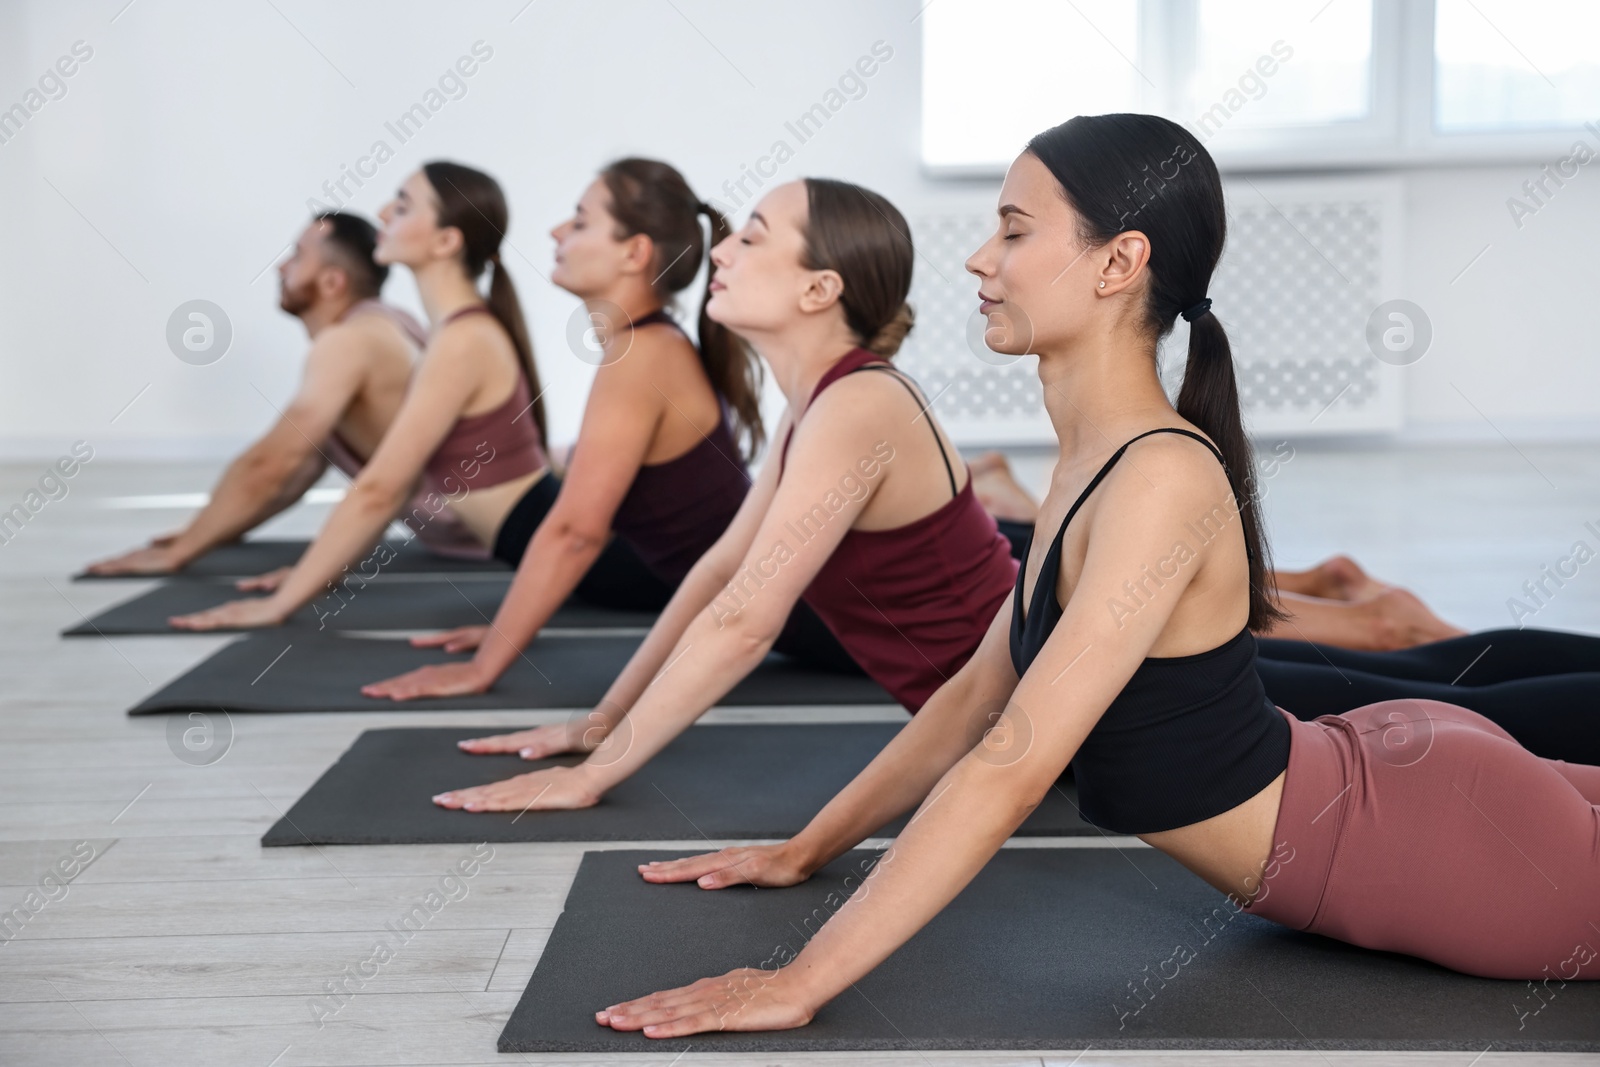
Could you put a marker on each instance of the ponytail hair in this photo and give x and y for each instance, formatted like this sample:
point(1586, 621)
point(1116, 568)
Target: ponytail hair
point(1127, 172)
point(652, 198)
point(473, 203)
point(864, 238)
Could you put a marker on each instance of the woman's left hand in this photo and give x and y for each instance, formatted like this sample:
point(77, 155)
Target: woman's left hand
point(234, 615)
point(550, 789)
point(746, 999)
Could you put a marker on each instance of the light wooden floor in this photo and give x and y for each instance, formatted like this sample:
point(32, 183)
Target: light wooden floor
point(183, 942)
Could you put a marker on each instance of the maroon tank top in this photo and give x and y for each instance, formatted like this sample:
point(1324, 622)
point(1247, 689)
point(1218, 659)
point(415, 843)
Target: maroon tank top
point(489, 448)
point(910, 604)
point(674, 511)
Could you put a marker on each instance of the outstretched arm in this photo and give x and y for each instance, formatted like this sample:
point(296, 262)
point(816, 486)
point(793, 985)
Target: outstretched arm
point(620, 421)
point(732, 633)
point(272, 473)
point(442, 388)
point(979, 802)
point(963, 715)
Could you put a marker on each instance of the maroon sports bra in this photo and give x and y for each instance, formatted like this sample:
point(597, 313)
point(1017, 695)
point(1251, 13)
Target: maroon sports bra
point(489, 448)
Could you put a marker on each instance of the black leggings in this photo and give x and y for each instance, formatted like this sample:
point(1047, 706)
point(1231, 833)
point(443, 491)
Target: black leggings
point(1541, 686)
point(620, 579)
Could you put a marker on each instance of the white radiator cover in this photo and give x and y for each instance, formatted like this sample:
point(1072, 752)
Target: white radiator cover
point(1306, 263)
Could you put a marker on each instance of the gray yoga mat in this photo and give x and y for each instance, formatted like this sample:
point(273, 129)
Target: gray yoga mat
point(715, 781)
point(287, 671)
point(387, 603)
point(243, 559)
point(1044, 949)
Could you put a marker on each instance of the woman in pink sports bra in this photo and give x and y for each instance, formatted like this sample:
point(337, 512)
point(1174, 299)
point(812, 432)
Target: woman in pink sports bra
point(471, 428)
point(658, 459)
point(861, 513)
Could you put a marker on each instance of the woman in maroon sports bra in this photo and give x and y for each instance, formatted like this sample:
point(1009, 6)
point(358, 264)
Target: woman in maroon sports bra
point(472, 425)
point(658, 458)
point(866, 512)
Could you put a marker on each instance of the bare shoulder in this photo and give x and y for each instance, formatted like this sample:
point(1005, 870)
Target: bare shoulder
point(876, 391)
point(651, 351)
point(468, 341)
point(350, 344)
point(1168, 474)
point(371, 328)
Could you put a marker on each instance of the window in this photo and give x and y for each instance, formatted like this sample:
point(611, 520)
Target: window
point(1265, 63)
point(1495, 69)
point(1264, 84)
point(1050, 52)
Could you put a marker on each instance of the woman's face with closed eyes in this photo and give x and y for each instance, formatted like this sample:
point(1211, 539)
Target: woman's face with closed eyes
point(589, 255)
point(758, 277)
point(1036, 278)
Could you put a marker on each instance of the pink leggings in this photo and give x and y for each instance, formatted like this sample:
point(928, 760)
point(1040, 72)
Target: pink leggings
point(1421, 827)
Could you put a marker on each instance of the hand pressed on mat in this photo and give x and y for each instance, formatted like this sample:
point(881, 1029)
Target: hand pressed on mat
point(539, 742)
point(434, 680)
point(771, 866)
point(744, 999)
point(234, 615)
point(263, 583)
point(550, 789)
point(152, 559)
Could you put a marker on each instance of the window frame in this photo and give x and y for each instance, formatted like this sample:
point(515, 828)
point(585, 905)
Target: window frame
point(1398, 130)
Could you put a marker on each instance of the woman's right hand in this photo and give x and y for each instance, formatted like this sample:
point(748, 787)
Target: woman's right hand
point(539, 742)
point(263, 583)
point(772, 866)
point(461, 639)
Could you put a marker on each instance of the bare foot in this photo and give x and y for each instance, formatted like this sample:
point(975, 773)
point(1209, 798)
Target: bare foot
point(998, 490)
point(1399, 619)
point(1347, 581)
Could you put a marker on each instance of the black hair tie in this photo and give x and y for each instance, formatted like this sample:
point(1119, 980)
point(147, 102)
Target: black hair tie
point(1198, 310)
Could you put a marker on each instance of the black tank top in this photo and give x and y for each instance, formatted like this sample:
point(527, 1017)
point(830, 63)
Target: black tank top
point(1188, 737)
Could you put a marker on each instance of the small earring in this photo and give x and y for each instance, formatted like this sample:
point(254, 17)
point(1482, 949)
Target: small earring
point(1102, 285)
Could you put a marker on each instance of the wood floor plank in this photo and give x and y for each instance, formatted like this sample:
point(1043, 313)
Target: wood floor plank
point(396, 960)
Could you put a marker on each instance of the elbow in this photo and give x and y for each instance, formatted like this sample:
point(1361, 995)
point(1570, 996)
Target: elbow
point(376, 495)
point(749, 633)
point(575, 540)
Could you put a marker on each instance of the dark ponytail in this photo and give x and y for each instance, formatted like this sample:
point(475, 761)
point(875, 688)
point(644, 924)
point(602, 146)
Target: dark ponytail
point(652, 198)
point(473, 203)
point(1141, 172)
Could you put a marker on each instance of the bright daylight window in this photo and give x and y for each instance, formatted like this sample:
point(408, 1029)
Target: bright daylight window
point(1264, 63)
point(1500, 66)
point(1269, 83)
point(996, 72)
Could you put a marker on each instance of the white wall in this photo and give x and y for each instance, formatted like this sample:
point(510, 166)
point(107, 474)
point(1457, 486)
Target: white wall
point(183, 153)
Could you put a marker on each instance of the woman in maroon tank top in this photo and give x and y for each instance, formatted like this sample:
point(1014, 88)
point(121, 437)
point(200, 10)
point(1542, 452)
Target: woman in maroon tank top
point(657, 460)
point(863, 512)
point(472, 424)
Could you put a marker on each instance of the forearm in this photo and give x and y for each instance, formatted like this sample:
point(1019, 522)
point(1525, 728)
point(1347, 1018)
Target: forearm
point(706, 663)
point(353, 528)
point(959, 827)
point(699, 587)
point(556, 561)
point(897, 779)
point(239, 502)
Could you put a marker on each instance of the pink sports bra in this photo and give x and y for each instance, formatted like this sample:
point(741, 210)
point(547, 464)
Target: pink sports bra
point(489, 448)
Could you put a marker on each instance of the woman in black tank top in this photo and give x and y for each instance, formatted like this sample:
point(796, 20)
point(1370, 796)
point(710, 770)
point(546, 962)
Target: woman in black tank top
point(1126, 651)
